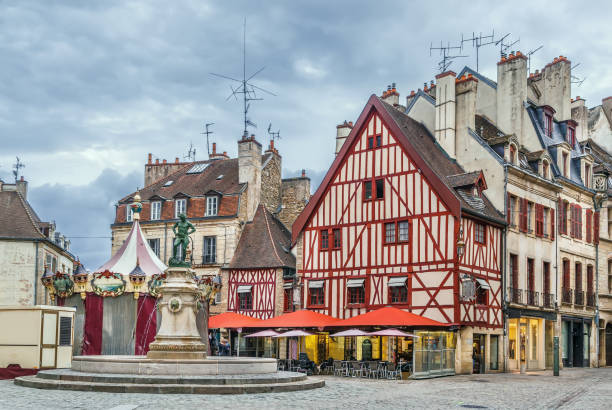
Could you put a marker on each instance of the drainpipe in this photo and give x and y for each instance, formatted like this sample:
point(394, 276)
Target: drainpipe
point(597, 202)
point(36, 275)
point(556, 337)
point(504, 271)
point(165, 240)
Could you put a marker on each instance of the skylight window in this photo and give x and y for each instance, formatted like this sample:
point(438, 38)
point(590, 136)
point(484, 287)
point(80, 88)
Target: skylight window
point(197, 168)
point(220, 176)
point(168, 183)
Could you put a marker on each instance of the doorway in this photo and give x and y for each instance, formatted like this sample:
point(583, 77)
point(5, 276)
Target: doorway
point(577, 344)
point(478, 354)
point(609, 344)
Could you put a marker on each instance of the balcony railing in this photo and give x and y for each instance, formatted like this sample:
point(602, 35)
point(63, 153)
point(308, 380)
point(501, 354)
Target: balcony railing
point(580, 297)
point(516, 295)
point(533, 298)
point(590, 302)
point(548, 300)
point(566, 295)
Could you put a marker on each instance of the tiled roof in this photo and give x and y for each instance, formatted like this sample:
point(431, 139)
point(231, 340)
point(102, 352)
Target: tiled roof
point(17, 219)
point(487, 130)
point(264, 243)
point(437, 159)
point(465, 179)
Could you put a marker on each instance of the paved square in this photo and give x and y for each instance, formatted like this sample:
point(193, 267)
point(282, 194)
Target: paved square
point(574, 389)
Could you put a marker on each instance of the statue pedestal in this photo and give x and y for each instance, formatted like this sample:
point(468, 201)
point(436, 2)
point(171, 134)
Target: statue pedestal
point(178, 336)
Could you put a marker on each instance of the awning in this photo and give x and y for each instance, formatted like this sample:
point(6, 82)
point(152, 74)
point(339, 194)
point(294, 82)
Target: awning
point(315, 284)
point(231, 320)
point(355, 283)
point(483, 284)
point(287, 285)
point(397, 281)
point(389, 316)
point(244, 289)
point(300, 319)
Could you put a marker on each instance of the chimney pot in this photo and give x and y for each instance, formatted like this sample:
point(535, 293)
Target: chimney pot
point(156, 161)
point(303, 173)
point(21, 178)
point(176, 160)
point(165, 162)
point(350, 124)
point(214, 148)
point(272, 144)
point(150, 157)
point(577, 97)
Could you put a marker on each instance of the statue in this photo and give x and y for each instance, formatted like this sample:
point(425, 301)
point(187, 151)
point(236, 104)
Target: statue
point(181, 230)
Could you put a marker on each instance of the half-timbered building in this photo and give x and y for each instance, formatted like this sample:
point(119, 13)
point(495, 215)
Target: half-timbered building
point(397, 222)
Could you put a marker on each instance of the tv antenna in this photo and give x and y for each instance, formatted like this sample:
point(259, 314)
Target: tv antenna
point(207, 133)
point(191, 153)
point(247, 89)
point(18, 165)
point(529, 54)
point(479, 41)
point(574, 79)
point(503, 46)
point(273, 135)
point(445, 52)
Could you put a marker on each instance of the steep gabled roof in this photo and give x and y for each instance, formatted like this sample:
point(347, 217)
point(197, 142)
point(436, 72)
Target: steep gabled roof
point(264, 243)
point(17, 219)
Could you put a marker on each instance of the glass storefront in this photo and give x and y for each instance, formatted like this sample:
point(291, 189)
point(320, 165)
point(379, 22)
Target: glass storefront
point(575, 341)
point(494, 353)
point(434, 354)
point(529, 343)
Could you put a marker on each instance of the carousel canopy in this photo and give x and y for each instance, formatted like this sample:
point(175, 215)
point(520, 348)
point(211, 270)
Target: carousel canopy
point(135, 250)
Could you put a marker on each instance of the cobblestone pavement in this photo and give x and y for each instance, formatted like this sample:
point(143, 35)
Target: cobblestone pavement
point(574, 389)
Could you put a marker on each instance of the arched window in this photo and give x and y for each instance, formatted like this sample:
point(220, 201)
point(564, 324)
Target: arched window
point(545, 169)
point(512, 154)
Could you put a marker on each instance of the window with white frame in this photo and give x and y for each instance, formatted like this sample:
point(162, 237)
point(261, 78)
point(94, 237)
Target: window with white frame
point(156, 210)
point(210, 249)
point(212, 205)
point(180, 207)
point(129, 213)
point(154, 244)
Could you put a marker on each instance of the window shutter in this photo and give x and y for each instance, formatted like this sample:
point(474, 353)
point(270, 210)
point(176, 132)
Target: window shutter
point(596, 228)
point(572, 221)
point(539, 219)
point(562, 218)
point(523, 215)
point(552, 224)
point(589, 225)
point(578, 222)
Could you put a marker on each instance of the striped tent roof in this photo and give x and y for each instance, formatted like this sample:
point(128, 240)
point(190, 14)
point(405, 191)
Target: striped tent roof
point(135, 249)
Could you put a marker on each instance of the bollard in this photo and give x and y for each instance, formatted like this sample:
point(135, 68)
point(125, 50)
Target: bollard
point(556, 356)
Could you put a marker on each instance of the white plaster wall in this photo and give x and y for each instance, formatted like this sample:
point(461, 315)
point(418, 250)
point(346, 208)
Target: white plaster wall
point(424, 112)
point(17, 264)
point(486, 100)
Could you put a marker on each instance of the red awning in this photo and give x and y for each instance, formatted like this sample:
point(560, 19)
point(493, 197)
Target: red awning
point(301, 318)
point(231, 320)
point(389, 316)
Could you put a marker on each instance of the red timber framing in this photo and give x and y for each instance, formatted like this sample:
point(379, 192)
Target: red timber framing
point(263, 288)
point(413, 193)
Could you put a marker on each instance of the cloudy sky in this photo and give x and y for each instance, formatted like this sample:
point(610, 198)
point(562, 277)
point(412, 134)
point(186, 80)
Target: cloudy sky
point(87, 89)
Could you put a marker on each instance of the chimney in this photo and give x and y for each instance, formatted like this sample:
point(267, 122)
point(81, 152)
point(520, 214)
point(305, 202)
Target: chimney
point(303, 173)
point(271, 148)
point(445, 112)
point(342, 131)
point(511, 95)
point(249, 171)
point(150, 158)
point(165, 162)
point(465, 114)
point(391, 96)
point(556, 89)
point(156, 161)
point(606, 104)
point(176, 160)
point(22, 187)
point(580, 114)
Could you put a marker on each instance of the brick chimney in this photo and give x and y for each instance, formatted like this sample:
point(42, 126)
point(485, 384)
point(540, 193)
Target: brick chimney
point(154, 171)
point(342, 131)
point(556, 89)
point(512, 94)
point(249, 171)
point(444, 131)
point(217, 155)
point(465, 113)
point(391, 96)
point(22, 187)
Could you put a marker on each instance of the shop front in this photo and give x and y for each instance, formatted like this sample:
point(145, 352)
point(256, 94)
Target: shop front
point(530, 339)
point(575, 341)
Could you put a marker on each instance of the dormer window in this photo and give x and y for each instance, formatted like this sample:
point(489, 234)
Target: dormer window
point(180, 207)
point(512, 154)
point(571, 136)
point(565, 165)
point(156, 210)
point(212, 205)
point(545, 169)
point(548, 124)
point(129, 213)
point(587, 175)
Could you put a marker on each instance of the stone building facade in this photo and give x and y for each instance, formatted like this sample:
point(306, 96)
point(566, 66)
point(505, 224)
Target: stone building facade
point(27, 246)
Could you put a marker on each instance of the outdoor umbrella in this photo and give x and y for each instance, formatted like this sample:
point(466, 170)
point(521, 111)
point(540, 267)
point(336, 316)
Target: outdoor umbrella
point(264, 333)
point(351, 332)
point(391, 332)
point(299, 319)
point(295, 333)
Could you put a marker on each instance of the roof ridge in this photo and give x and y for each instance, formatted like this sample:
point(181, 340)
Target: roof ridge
point(265, 211)
point(25, 207)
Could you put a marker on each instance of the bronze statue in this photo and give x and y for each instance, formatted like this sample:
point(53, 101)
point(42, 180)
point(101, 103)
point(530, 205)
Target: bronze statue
point(182, 229)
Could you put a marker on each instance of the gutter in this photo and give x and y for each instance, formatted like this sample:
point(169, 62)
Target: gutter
point(504, 271)
point(36, 275)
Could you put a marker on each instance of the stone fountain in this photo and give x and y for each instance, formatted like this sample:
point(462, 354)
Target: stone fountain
point(177, 361)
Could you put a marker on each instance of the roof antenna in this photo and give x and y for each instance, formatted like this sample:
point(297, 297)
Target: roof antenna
point(504, 47)
point(18, 165)
point(207, 133)
point(245, 88)
point(445, 53)
point(574, 79)
point(529, 54)
point(273, 135)
point(479, 41)
point(191, 153)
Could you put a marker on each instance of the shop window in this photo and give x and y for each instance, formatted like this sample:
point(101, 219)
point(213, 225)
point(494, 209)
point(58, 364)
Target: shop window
point(480, 233)
point(337, 233)
point(324, 240)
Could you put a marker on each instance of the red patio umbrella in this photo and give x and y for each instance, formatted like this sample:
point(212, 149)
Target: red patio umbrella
point(301, 319)
point(231, 320)
point(389, 316)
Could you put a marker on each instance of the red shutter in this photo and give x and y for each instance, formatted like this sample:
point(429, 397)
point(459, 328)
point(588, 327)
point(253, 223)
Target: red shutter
point(539, 216)
point(589, 225)
point(572, 221)
point(523, 215)
point(596, 228)
point(552, 224)
point(578, 222)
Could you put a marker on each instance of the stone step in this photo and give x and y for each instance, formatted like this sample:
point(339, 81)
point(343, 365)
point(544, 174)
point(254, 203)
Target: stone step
point(42, 383)
point(269, 378)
